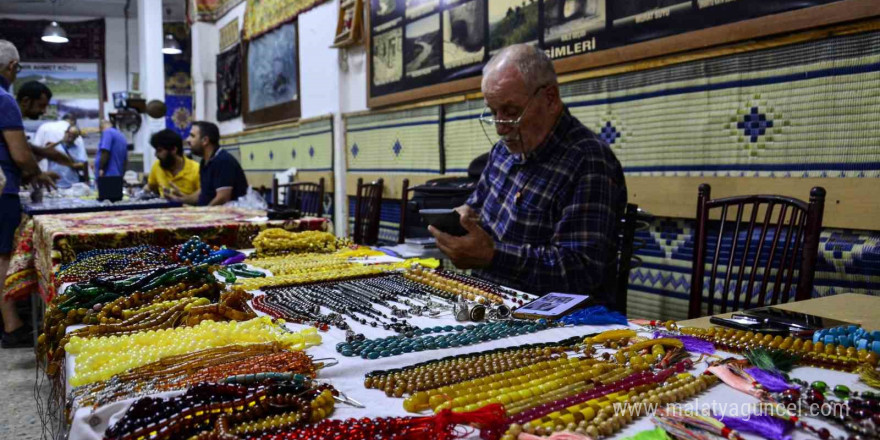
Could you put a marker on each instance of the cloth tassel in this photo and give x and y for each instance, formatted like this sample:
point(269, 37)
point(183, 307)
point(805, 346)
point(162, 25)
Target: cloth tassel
point(869, 375)
point(770, 381)
point(771, 360)
point(595, 315)
point(736, 378)
point(237, 258)
point(563, 435)
point(760, 424)
point(489, 418)
point(685, 425)
point(691, 344)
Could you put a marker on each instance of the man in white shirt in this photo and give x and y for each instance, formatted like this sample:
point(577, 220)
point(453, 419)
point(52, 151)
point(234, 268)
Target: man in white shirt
point(49, 137)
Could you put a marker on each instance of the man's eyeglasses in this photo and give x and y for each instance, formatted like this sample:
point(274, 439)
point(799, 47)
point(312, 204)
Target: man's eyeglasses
point(512, 123)
point(17, 67)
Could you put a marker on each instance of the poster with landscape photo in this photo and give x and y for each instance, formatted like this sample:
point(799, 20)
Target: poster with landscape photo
point(512, 22)
point(418, 8)
point(464, 34)
point(422, 47)
point(76, 88)
point(567, 20)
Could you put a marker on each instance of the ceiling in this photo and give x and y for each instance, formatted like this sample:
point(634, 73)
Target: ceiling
point(174, 9)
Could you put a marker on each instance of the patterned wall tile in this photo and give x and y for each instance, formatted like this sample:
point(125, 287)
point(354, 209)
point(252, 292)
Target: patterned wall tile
point(403, 141)
point(307, 146)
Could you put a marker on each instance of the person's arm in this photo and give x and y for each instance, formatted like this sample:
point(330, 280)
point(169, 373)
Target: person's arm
point(21, 154)
point(575, 259)
point(49, 152)
point(175, 195)
point(222, 196)
point(103, 160)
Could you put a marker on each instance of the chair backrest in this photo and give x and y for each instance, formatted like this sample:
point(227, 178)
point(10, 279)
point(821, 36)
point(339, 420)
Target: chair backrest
point(780, 238)
point(617, 271)
point(307, 197)
point(404, 199)
point(367, 207)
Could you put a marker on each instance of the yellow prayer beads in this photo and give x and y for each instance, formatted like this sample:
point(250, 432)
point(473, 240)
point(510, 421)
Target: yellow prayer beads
point(302, 263)
point(354, 271)
point(101, 358)
point(609, 335)
point(276, 240)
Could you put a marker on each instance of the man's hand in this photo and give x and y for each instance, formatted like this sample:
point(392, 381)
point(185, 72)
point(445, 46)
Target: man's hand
point(101, 173)
point(471, 251)
point(45, 180)
point(79, 166)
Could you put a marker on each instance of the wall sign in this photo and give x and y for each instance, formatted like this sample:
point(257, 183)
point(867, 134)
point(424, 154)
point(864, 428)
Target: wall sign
point(426, 48)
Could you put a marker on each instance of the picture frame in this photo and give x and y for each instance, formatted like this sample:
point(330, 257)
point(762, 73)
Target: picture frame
point(349, 24)
point(591, 53)
point(265, 87)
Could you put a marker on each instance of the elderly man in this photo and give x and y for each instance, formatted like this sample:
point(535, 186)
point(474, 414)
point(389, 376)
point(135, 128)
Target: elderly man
point(543, 216)
point(73, 150)
point(53, 133)
point(18, 165)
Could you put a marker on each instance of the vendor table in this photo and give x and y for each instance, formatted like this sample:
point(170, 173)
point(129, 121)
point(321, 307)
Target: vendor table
point(58, 238)
point(850, 307)
point(92, 205)
point(348, 377)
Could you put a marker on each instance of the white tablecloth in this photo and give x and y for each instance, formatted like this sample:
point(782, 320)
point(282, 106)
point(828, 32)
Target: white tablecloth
point(348, 377)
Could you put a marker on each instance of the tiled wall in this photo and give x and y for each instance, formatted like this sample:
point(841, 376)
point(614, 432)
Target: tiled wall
point(803, 110)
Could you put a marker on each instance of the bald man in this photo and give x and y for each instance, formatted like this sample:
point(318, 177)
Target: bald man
point(544, 215)
point(74, 152)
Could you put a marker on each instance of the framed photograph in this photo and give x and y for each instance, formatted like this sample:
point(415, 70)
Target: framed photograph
point(76, 88)
point(270, 87)
point(229, 84)
point(569, 20)
point(388, 57)
point(464, 29)
point(422, 47)
point(551, 305)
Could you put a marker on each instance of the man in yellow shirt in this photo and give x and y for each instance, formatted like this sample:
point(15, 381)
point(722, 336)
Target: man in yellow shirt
point(172, 170)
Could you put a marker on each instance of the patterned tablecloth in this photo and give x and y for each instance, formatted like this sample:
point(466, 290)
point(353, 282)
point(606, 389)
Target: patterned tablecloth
point(56, 239)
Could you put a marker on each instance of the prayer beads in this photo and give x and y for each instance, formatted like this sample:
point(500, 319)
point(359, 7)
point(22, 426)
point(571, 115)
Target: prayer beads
point(275, 241)
point(101, 358)
point(819, 355)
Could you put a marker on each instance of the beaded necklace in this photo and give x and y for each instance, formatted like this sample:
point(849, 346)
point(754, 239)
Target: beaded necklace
point(101, 358)
point(275, 241)
point(421, 340)
point(119, 262)
point(820, 355)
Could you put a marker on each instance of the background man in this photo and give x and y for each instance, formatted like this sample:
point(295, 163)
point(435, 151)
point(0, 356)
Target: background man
point(18, 165)
point(221, 177)
point(112, 155)
point(173, 171)
point(33, 97)
point(544, 215)
point(71, 147)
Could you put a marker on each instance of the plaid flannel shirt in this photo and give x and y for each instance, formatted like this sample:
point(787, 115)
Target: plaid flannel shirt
point(553, 215)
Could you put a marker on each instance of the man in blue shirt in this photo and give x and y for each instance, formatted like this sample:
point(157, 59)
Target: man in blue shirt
point(112, 155)
point(18, 165)
point(221, 177)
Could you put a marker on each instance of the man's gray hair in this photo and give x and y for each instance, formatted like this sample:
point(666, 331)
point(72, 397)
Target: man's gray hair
point(8, 53)
point(531, 62)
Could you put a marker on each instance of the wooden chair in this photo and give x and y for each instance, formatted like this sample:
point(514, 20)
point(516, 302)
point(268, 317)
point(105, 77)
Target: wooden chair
point(617, 272)
point(307, 197)
point(404, 201)
point(367, 207)
point(791, 233)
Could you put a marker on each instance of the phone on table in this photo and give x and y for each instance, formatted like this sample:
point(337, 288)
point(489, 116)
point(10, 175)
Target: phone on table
point(748, 323)
point(446, 220)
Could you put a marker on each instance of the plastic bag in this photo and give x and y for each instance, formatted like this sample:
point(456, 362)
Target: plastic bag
point(251, 200)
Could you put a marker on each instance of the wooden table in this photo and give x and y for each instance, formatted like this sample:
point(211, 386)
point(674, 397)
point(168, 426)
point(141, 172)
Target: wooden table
point(849, 307)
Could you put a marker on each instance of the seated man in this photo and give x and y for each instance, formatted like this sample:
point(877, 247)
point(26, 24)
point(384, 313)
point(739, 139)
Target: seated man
point(544, 215)
point(172, 171)
point(221, 177)
point(74, 152)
